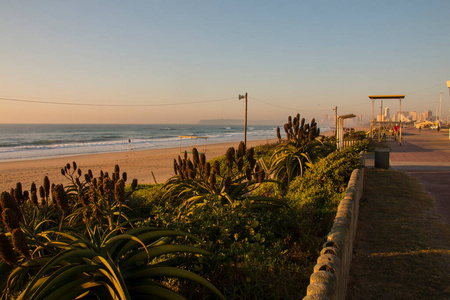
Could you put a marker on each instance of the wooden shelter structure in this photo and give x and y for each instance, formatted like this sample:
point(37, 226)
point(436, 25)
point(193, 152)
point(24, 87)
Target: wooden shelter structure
point(381, 125)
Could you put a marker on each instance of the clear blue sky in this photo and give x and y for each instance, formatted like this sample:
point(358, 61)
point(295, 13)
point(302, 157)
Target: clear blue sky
point(290, 56)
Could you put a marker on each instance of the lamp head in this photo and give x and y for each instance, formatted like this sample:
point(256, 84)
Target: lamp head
point(241, 97)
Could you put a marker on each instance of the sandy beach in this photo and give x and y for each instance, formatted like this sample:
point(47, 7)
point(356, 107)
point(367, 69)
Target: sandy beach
point(138, 165)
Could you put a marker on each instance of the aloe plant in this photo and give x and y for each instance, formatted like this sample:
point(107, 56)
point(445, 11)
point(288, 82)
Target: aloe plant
point(196, 181)
point(303, 145)
point(106, 264)
point(94, 251)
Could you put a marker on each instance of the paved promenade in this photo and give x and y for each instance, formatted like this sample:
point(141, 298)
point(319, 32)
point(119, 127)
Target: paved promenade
point(426, 156)
point(402, 251)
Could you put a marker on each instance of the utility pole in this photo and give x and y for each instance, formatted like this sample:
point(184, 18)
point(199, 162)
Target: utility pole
point(440, 107)
point(335, 122)
point(245, 121)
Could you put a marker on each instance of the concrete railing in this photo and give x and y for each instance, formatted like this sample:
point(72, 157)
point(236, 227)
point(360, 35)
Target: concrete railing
point(330, 277)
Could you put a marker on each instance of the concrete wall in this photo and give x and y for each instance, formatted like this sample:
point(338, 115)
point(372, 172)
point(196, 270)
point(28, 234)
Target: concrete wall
point(330, 276)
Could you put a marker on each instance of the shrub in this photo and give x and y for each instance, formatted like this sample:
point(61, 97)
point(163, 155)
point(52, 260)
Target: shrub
point(145, 198)
point(327, 179)
point(355, 135)
point(302, 148)
point(250, 247)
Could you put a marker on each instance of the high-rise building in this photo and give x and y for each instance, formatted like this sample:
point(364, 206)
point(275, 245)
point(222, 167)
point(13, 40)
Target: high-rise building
point(413, 116)
point(422, 117)
point(404, 116)
point(386, 114)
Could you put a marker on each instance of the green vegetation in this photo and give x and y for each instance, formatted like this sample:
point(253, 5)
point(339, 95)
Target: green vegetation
point(233, 227)
point(85, 245)
point(302, 148)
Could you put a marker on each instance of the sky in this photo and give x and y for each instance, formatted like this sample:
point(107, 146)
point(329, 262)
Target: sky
point(92, 61)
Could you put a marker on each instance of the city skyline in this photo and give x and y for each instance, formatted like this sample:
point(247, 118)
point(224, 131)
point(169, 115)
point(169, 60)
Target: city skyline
point(185, 61)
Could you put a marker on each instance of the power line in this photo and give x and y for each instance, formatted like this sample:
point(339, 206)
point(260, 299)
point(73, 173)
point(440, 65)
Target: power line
point(290, 108)
point(270, 104)
point(110, 105)
point(428, 88)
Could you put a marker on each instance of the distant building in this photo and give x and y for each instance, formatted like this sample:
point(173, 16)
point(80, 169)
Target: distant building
point(421, 117)
point(386, 114)
point(360, 119)
point(404, 116)
point(413, 116)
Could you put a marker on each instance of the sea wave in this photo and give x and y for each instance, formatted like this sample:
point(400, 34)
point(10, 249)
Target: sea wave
point(40, 141)
point(43, 146)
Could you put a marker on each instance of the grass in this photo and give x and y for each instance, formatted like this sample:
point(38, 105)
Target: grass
point(402, 249)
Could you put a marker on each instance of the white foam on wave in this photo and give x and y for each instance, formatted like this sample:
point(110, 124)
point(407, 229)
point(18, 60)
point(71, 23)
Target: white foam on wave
point(218, 135)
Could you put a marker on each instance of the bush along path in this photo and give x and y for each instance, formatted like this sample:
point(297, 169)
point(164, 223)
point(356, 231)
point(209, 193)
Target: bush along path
point(264, 245)
point(402, 249)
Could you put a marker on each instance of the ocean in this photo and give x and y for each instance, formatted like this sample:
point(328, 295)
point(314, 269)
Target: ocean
point(33, 141)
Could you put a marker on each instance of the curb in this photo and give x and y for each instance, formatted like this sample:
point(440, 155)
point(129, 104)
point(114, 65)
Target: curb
point(330, 276)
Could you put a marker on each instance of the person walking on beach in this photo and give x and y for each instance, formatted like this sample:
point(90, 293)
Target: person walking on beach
point(420, 128)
